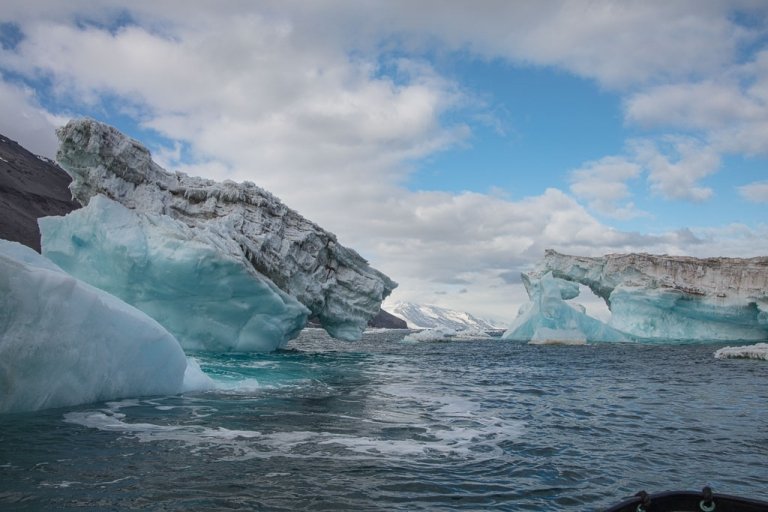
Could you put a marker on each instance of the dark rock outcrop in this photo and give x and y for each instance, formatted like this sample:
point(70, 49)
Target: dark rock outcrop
point(386, 320)
point(30, 187)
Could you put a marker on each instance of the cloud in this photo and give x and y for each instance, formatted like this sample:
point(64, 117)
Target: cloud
point(603, 184)
point(756, 192)
point(23, 120)
point(255, 99)
point(732, 117)
point(693, 106)
point(615, 43)
point(676, 164)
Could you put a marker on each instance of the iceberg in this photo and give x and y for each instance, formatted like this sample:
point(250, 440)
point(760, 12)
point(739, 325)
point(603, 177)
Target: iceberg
point(549, 319)
point(195, 283)
point(275, 246)
point(668, 297)
point(756, 351)
point(64, 342)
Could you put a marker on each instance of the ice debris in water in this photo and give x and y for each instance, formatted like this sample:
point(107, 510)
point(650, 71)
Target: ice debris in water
point(756, 351)
point(197, 284)
point(549, 319)
point(445, 334)
point(306, 262)
point(64, 342)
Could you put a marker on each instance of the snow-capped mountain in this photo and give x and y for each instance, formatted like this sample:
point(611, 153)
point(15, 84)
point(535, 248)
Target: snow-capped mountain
point(424, 316)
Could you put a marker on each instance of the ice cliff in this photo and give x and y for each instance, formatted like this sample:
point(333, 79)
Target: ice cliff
point(174, 218)
point(65, 342)
point(668, 297)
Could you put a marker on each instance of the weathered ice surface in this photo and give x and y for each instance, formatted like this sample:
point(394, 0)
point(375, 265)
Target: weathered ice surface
point(64, 342)
point(673, 297)
point(30, 187)
point(305, 261)
point(195, 283)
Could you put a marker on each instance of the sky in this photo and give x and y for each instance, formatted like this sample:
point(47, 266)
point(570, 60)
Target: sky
point(449, 142)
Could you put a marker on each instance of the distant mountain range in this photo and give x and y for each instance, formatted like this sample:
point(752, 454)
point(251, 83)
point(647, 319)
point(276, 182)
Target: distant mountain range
point(423, 316)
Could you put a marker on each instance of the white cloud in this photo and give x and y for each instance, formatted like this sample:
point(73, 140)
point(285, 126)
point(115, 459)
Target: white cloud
point(756, 192)
point(702, 106)
point(616, 43)
point(23, 120)
point(603, 184)
point(676, 164)
point(733, 118)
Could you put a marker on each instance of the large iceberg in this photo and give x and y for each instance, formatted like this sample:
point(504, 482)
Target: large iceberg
point(64, 342)
point(196, 284)
point(273, 244)
point(673, 297)
point(549, 319)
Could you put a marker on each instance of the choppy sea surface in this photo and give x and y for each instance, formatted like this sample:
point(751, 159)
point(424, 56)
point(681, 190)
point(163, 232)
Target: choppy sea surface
point(385, 425)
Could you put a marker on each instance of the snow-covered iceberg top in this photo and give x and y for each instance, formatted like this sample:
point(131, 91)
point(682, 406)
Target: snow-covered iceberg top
point(669, 297)
point(756, 351)
point(64, 342)
point(335, 283)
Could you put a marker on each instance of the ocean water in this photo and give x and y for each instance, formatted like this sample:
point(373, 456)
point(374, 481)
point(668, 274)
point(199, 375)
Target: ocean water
point(384, 425)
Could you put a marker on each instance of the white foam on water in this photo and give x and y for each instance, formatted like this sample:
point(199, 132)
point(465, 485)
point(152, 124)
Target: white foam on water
point(756, 351)
point(60, 485)
point(454, 427)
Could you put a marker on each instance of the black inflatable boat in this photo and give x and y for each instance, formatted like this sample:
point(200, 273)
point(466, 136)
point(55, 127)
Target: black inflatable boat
point(688, 501)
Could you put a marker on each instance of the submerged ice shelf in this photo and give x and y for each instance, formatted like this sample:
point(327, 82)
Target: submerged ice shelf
point(650, 298)
point(298, 266)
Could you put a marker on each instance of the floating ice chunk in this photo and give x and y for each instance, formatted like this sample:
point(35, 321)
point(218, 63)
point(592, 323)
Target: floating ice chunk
point(547, 336)
point(438, 334)
point(472, 334)
point(195, 378)
point(757, 351)
point(195, 283)
point(549, 319)
point(64, 342)
point(445, 334)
